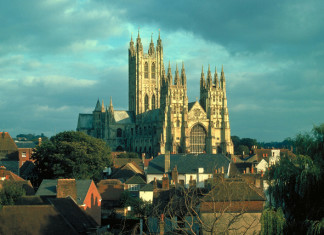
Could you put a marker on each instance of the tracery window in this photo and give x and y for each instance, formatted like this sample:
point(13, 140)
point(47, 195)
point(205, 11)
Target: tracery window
point(146, 70)
point(146, 103)
point(197, 139)
point(153, 70)
point(153, 101)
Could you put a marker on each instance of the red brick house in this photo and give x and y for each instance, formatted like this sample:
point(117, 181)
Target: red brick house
point(83, 192)
point(9, 153)
point(25, 149)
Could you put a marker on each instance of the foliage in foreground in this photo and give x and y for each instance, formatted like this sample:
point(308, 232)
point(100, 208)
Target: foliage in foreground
point(297, 185)
point(71, 154)
point(10, 192)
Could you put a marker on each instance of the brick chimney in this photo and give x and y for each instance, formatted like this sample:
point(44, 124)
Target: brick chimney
point(165, 182)
point(167, 162)
point(65, 188)
point(175, 175)
point(154, 183)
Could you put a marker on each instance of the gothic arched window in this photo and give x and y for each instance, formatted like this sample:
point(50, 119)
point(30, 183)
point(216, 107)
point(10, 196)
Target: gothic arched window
point(197, 139)
point(153, 70)
point(146, 70)
point(119, 132)
point(153, 101)
point(146, 103)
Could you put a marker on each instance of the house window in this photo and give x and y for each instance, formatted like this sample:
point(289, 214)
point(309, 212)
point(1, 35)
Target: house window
point(146, 70)
point(181, 182)
point(153, 71)
point(133, 187)
point(23, 154)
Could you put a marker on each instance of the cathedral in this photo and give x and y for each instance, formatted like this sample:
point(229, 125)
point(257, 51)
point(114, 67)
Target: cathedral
point(160, 118)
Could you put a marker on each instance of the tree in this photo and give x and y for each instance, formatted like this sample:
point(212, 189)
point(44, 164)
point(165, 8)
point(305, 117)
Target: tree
point(297, 184)
point(71, 154)
point(11, 191)
point(243, 150)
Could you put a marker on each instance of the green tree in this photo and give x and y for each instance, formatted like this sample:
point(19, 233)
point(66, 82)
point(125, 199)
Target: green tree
point(243, 148)
point(297, 184)
point(11, 191)
point(71, 154)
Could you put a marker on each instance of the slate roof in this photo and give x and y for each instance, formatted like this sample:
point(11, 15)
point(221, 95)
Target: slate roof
point(33, 219)
point(190, 105)
point(149, 186)
point(150, 116)
point(61, 216)
point(234, 190)
point(48, 188)
point(124, 117)
point(110, 189)
point(189, 163)
point(136, 179)
point(85, 121)
point(26, 144)
point(11, 165)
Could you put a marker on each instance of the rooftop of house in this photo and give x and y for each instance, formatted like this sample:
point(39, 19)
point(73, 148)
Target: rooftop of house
point(25, 144)
point(110, 189)
point(127, 171)
point(10, 165)
point(234, 190)
point(6, 142)
point(136, 179)
point(62, 216)
point(48, 188)
point(189, 163)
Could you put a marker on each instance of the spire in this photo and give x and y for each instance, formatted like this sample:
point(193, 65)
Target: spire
point(131, 46)
point(98, 108)
point(183, 75)
point(151, 50)
point(102, 106)
point(169, 74)
point(209, 78)
point(177, 77)
point(111, 107)
point(139, 46)
point(216, 78)
point(222, 79)
point(202, 79)
point(159, 42)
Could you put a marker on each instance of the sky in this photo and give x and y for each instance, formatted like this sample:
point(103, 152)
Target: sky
point(57, 57)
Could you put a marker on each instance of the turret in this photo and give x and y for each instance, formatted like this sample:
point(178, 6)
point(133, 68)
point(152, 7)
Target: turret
point(183, 76)
point(169, 76)
point(159, 43)
point(139, 45)
point(216, 79)
point(102, 107)
point(151, 50)
point(202, 79)
point(131, 47)
point(97, 108)
point(111, 107)
point(177, 77)
point(222, 80)
point(209, 78)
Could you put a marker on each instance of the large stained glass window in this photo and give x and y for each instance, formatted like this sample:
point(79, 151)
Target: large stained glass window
point(197, 139)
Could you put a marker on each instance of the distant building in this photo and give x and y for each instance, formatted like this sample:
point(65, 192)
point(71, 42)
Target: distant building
point(160, 117)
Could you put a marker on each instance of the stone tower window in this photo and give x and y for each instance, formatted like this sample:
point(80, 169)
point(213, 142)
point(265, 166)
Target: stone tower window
point(153, 101)
point(153, 70)
point(146, 70)
point(146, 103)
point(198, 139)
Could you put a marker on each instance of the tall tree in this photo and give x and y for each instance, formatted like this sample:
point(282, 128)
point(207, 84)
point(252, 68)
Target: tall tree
point(71, 154)
point(297, 185)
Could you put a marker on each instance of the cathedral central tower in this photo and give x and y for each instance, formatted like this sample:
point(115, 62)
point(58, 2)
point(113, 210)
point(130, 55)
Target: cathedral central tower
point(144, 75)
